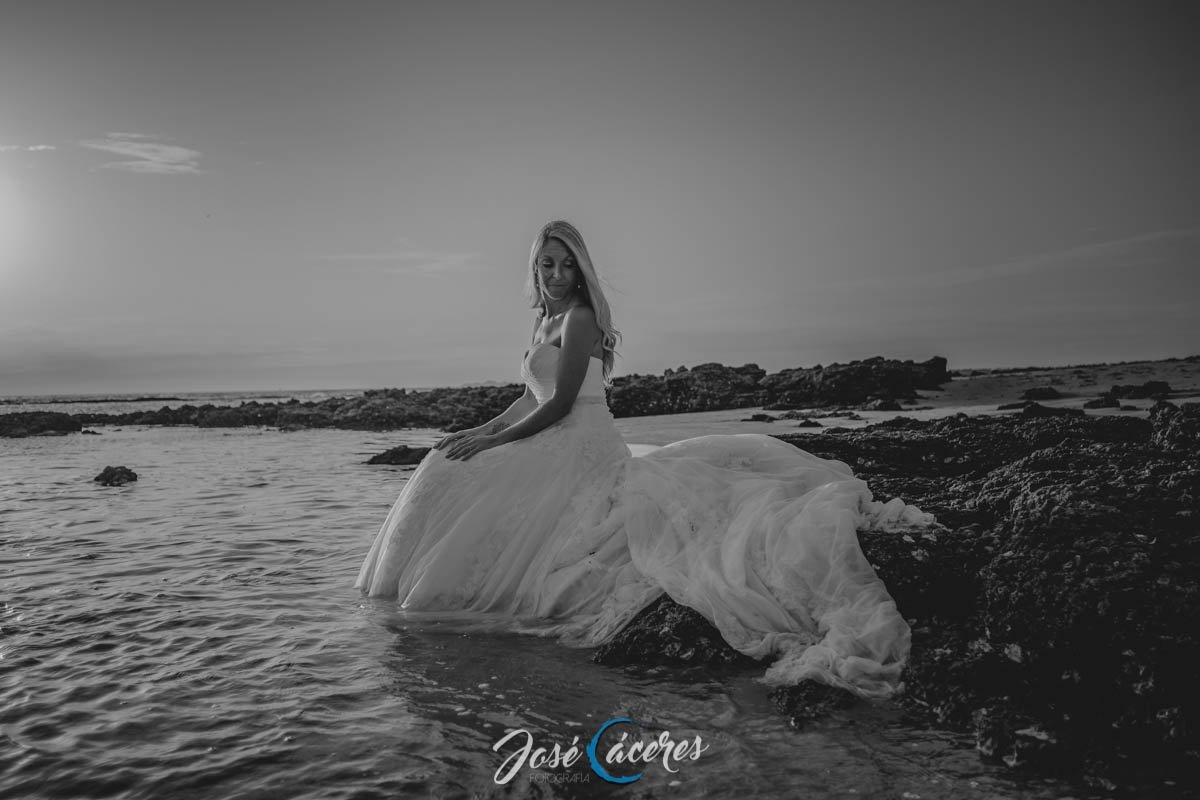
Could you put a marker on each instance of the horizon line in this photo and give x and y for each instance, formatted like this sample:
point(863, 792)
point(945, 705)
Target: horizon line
point(153, 395)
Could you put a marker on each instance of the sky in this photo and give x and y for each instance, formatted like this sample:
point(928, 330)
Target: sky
point(297, 195)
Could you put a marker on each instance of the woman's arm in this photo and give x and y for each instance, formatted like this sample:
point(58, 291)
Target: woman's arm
point(518, 410)
point(578, 335)
point(522, 406)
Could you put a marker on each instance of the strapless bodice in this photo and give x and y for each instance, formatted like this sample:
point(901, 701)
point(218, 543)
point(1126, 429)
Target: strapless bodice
point(539, 370)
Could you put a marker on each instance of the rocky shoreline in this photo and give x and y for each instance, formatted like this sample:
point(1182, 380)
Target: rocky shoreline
point(1053, 608)
point(837, 390)
point(706, 387)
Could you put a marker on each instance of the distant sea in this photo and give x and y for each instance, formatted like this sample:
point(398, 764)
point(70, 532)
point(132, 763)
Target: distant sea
point(126, 403)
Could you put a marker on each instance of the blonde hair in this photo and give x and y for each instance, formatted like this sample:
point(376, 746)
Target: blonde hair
point(592, 294)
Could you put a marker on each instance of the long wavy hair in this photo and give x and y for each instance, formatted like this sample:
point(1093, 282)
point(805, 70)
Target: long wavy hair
point(591, 292)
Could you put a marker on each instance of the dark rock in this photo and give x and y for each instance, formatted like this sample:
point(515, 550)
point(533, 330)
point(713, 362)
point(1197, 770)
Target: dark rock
point(808, 423)
point(706, 387)
point(90, 432)
point(713, 387)
point(1041, 393)
point(882, 404)
point(1105, 400)
point(1038, 410)
point(1051, 613)
point(1015, 406)
point(666, 632)
point(922, 569)
point(115, 476)
point(759, 418)
point(1018, 741)
point(808, 701)
point(401, 456)
point(1156, 390)
point(217, 417)
point(376, 409)
point(1176, 428)
point(853, 383)
point(38, 423)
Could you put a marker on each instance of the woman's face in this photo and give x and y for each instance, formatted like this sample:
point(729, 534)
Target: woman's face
point(557, 270)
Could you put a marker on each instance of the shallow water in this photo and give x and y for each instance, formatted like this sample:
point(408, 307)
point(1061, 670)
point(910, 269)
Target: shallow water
point(196, 634)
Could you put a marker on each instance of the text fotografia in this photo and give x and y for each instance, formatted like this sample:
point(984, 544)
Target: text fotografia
point(627, 753)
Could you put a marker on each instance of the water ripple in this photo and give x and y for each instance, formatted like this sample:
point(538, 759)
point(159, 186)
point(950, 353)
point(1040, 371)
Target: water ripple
point(195, 635)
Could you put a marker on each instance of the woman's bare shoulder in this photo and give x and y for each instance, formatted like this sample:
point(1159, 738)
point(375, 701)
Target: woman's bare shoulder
point(581, 316)
point(581, 320)
point(580, 323)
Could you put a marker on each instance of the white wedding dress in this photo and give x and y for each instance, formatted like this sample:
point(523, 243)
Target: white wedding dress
point(565, 533)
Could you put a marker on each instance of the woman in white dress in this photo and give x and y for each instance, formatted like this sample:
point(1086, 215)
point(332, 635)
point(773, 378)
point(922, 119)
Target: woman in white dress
point(541, 520)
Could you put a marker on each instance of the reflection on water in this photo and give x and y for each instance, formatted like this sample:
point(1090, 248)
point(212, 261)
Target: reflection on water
point(196, 634)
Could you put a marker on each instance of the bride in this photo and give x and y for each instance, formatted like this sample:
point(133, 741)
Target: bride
point(541, 521)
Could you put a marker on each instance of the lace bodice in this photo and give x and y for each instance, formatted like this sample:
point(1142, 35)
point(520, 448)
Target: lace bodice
point(539, 370)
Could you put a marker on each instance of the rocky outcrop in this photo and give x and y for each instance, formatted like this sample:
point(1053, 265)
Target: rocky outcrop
point(706, 387)
point(1156, 390)
point(115, 476)
point(877, 382)
point(1176, 429)
point(1103, 401)
point(809, 701)
point(1039, 410)
point(37, 423)
point(851, 384)
point(1051, 615)
point(400, 456)
point(1052, 608)
point(375, 410)
point(713, 387)
point(668, 633)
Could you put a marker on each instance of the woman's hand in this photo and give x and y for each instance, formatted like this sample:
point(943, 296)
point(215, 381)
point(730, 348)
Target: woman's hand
point(469, 444)
point(454, 437)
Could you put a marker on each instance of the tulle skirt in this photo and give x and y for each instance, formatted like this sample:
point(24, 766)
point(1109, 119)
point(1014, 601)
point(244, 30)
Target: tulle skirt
point(566, 534)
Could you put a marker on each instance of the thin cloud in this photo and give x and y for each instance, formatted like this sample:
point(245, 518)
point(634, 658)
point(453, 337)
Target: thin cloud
point(33, 148)
point(406, 262)
point(146, 157)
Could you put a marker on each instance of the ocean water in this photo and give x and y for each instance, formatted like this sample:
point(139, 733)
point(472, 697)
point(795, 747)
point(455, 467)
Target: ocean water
point(196, 634)
point(129, 403)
